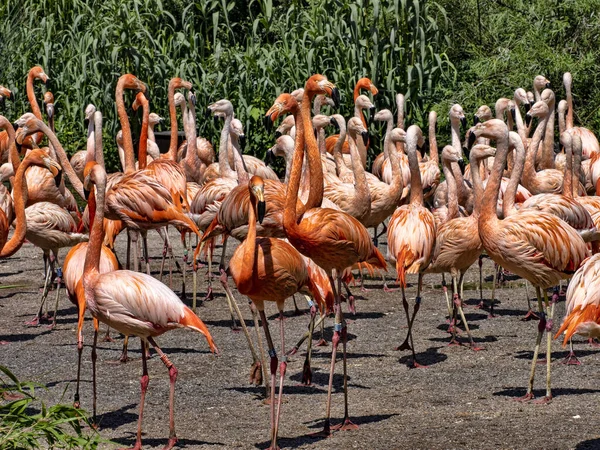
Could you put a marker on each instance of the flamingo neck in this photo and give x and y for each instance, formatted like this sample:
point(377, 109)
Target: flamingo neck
point(238, 162)
point(35, 107)
point(172, 153)
point(143, 144)
point(416, 188)
point(569, 118)
point(568, 177)
point(315, 194)
point(191, 156)
point(98, 149)
point(455, 133)
point(360, 179)
point(91, 140)
point(126, 130)
point(547, 161)
point(224, 167)
point(433, 148)
point(94, 248)
point(291, 197)
point(519, 121)
point(245, 280)
point(529, 173)
point(576, 166)
point(451, 191)
point(460, 181)
point(337, 152)
point(492, 190)
point(508, 203)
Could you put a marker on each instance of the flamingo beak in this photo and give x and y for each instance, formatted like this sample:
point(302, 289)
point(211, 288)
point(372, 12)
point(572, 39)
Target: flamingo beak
point(50, 110)
point(268, 122)
point(472, 139)
point(365, 137)
point(334, 123)
point(513, 113)
point(242, 141)
point(11, 97)
point(269, 157)
point(461, 164)
point(277, 134)
point(193, 98)
point(528, 119)
point(475, 119)
point(463, 122)
point(548, 85)
point(335, 96)
point(527, 106)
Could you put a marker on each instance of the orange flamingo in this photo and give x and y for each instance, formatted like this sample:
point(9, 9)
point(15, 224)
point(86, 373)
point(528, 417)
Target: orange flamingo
point(268, 269)
point(79, 159)
point(535, 245)
point(134, 304)
point(411, 236)
point(332, 239)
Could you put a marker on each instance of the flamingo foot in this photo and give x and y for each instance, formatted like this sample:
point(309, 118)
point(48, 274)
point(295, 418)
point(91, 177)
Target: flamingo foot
point(33, 322)
point(530, 316)
point(404, 346)
point(526, 398)
point(351, 305)
point(4, 342)
point(274, 447)
point(52, 324)
point(292, 351)
point(171, 443)
point(235, 329)
point(324, 433)
point(454, 343)
point(256, 374)
point(306, 375)
point(592, 343)
point(544, 400)
point(571, 360)
point(476, 348)
point(491, 316)
point(346, 425)
point(209, 295)
point(388, 289)
point(76, 404)
point(107, 339)
point(541, 361)
point(416, 365)
point(322, 343)
point(479, 305)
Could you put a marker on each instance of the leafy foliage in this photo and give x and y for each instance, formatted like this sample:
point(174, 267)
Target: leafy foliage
point(24, 426)
point(247, 52)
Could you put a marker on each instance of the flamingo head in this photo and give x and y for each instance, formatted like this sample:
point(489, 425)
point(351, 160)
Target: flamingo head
point(457, 114)
point(383, 115)
point(49, 104)
point(129, 81)
point(155, 119)
point(541, 82)
point(355, 127)
point(256, 186)
point(42, 158)
point(38, 73)
point(491, 129)
point(284, 104)
point(479, 152)
point(319, 84)
point(27, 124)
point(90, 110)
point(366, 83)
point(178, 83)
point(451, 154)
point(483, 113)
point(539, 109)
point(6, 93)
point(398, 135)
point(140, 100)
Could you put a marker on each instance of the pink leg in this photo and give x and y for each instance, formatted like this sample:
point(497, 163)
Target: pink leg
point(144, 383)
point(172, 379)
point(282, 369)
point(274, 363)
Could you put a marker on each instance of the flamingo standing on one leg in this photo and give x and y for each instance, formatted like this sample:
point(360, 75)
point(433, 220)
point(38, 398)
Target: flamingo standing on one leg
point(134, 304)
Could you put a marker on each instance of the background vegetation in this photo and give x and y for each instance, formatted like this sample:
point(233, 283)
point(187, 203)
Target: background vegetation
point(467, 51)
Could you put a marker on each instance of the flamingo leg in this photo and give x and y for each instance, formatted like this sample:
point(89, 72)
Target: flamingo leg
point(172, 379)
point(58, 283)
point(144, 385)
point(464, 319)
point(128, 261)
point(346, 423)
point(256, 365)
point(50, 268)
point(261, 349)
point(146, 254)
point(184, 266)
point(107, 337)
point(223, 253)
point(305, 336)
point(164, 254)
point(273, 365)
point(351, 306)
point(322, 342)
point(94, 358)
point(306, 370)
point(530, 314)
point(548, 327)
point(223, 279)
point(134, 235)
point(405, 345)
point(480, 261)
point(571, 359)
point(445, 289)
point(80, 318)
point(541, 326)
point(282, 370)
point(124, 358)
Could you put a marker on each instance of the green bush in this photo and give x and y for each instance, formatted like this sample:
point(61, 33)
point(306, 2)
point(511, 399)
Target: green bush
point(247, 52)
point(27, 423)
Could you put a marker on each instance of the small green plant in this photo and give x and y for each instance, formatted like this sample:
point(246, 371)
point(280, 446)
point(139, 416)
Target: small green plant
point(27, 423)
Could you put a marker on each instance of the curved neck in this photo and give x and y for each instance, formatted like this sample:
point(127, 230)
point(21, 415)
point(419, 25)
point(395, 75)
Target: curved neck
point(172, 153)
point(291, 196)
point(529, 172)
point(561, 122)
point(451, 191)
point(321, 141)
point(519, 121)
point(94, 248)
point(508, 201)
point(315, 194)
point(400, 106)
point(13, 153)
point(576, 165)
point(224, 167)
point(98, 149)
point(569, 118)
point(568, 180)
point(477, 186)
point(460, 181)
point(238, 162)
point(547, 161)
point(492, 190)
point(143, 144)
point(20, 197)
point(416, 189)
point(433, 148)
point(245, 278)
point(126, 130)
point(191, 155)
point(337, 152)
point(358, 112)
point(35, 107)
point(455, 132)
point(360, 179)
point(91, 139)
point(151, 132)
point(62, 158)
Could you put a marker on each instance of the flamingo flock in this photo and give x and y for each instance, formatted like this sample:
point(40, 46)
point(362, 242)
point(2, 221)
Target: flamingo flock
point(528, 203)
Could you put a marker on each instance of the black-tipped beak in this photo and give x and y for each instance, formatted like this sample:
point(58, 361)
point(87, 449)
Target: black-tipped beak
point(269, 157)
point(193, 98)
point(558, 149)
point(11, 97)
point(316, 133)
point(242, 141)
point(50, 111)
point(472, 139)
point(365, 137)
point(261, 209)
point(86, 193)
point(475, 119)
point(335, 96)
point(15, 126)
point(48, 84)
point(371, 114)
point(268, 123)
point(58, 178)
point(216, 121)
point(2, 101)
point(513, 113)
point(334, 123)
point(277, 134)
point(461, 164)
point(207, 113)
point(467, 152)
point(528, 118)
point(463, 122)
point(527, 106)
point(147, 92)
point(548, 85)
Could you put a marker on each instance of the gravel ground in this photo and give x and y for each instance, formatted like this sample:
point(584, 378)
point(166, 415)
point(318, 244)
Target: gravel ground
point(464, 399)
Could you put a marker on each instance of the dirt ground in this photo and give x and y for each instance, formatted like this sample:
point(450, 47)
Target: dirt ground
point(463, 399)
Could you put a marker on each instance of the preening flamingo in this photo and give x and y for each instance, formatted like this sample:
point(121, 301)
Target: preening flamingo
point(411, 235)
point(535, 245)
point(332, 239)
point(134, 304)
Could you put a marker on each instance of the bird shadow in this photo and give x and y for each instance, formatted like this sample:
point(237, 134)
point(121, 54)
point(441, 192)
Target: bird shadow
point(299, 441)
point(157, 442)
point(429, 357)
point(528, 355)
point(220, 323)
point(12, 294)
point(367, 315)
point(590, 444)
point(516, 392)
point(22, 337)
point(114, 419)
point(349, 355)
point(322, 379)
point(464, 339)
point(10, 274)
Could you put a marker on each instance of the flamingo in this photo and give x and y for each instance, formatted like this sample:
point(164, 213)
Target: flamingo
point(6, 93)
point(332, 239)
point(411, 236)
point(134, 304)
point(535, 245)
point(268, 269)
point(79, 159)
